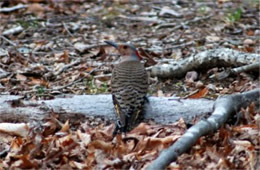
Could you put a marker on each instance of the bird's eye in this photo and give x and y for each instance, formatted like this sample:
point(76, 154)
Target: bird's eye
point(124, 47)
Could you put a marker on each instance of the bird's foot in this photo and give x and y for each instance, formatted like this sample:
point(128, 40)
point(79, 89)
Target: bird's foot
point(146, 100)
point(118, 128)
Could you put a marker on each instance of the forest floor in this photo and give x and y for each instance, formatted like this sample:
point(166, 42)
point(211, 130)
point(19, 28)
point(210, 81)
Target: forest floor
point(54, 47)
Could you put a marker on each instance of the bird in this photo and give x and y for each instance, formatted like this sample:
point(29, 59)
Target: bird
point(129, 86)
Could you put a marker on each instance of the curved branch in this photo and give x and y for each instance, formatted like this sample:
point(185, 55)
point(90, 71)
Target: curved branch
point(224, 107)
point(206, 59)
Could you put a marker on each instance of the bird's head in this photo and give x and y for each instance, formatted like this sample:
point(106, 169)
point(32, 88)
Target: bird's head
point(126, 51)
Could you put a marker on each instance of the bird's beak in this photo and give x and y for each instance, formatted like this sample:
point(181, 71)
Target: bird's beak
point(112, 44)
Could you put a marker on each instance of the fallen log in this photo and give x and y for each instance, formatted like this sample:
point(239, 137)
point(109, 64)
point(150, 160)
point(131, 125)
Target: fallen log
point(163, 110)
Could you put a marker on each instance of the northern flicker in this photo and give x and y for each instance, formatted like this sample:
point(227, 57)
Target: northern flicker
point(129, 85)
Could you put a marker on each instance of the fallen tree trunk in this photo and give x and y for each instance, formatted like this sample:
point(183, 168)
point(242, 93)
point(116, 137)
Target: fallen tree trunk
point(161, 110)
point(224, 107)
point(222, 57)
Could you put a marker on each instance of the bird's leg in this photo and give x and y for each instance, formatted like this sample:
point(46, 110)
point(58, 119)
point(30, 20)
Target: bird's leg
point(124, 129)
point(146, 100)
point(118, 127)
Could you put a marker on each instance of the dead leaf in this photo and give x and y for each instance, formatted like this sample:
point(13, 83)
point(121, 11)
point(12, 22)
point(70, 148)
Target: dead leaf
point(24, 162)
point(248, 42)
point(150, 60)
point(250, 32)
point(249, 49)
point(65, 127)
point(141, 129)
point(201, 93)
point(243, 143)
point(90, 159)
point(16, 144)
point(84, 137)
point(36, 9)
point(199, 84)
point(81, 47)
point(65, 141)
point(64, 57)
point(49, 127)
point(77, 165)
point(101, 55)
point(212, 39)
point(98, 144)
point(21, 77)
point(191, 76)
point(36, 81)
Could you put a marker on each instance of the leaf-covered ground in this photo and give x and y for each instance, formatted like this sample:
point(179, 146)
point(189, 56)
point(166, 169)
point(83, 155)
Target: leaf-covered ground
point(54, 47)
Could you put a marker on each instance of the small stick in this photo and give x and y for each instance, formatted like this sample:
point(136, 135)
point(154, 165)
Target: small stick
point(13, 8)
point(7, 40)
point(183, 24)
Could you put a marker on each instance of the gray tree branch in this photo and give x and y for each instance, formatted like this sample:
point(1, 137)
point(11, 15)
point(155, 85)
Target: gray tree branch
point(222, 57)
point(224, 107)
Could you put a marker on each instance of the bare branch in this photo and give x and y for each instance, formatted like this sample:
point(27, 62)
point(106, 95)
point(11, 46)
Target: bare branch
point(224, 107)
point(13, 8)
point(222, 57)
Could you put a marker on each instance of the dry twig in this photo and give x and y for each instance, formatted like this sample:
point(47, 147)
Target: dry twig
point(197, 19)
point(13, 8)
